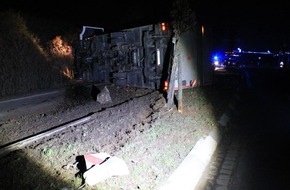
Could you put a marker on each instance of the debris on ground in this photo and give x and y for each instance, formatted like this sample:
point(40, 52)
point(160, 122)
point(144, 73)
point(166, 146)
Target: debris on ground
point(98, 167)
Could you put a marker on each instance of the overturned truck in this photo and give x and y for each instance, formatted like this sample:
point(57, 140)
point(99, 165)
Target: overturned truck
point(140, 57)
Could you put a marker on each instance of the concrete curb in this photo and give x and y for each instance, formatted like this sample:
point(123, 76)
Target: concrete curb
point(190, 171)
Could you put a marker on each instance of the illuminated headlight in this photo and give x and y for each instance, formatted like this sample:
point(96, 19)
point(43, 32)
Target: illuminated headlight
point(216, 63)
point(281, 64)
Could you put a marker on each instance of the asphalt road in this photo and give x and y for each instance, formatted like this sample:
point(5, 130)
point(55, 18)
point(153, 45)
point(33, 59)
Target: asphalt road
point(253, 155)
point(15, 105)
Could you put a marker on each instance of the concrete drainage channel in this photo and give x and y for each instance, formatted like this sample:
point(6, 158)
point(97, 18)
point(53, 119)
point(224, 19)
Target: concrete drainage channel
point(189, 172)
point(23, 142)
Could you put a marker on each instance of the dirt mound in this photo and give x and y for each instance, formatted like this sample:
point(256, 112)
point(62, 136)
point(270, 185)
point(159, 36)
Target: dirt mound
point(136, 126)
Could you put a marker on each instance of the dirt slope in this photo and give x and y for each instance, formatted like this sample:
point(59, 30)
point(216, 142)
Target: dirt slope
point(137, 126)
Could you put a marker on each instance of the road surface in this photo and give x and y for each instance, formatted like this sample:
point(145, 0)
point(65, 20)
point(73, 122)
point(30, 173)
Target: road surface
point(253, 155)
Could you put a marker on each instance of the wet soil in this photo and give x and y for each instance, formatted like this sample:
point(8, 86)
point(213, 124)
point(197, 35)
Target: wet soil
point(46, 162)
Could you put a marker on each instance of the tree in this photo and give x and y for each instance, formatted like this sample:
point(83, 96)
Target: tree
point(184, 19)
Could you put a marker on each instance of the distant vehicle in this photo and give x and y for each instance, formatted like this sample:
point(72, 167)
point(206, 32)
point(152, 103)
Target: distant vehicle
point(237, 59)
point(284, 59)
point(141, 57)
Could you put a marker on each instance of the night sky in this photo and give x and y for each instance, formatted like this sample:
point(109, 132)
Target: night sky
point(253, 24)
point(250, 24)
point(107, 14)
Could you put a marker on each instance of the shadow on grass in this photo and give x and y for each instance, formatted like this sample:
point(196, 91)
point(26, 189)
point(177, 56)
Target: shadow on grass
point(18, 171)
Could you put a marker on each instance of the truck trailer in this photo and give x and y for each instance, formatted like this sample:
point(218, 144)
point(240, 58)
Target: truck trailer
point(142, 56)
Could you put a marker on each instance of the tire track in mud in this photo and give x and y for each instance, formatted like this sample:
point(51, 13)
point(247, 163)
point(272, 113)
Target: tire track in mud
point(75, 104)
point(148, 105)
point(111, 128)
point(107, 131)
